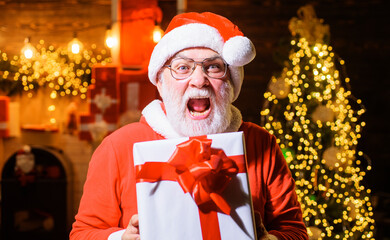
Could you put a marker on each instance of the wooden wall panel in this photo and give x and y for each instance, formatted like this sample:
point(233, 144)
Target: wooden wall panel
point(52, 21)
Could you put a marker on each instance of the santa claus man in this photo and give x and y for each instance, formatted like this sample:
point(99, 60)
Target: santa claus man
point(198, 70)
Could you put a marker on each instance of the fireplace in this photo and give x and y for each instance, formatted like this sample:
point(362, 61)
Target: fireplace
point(34, 197)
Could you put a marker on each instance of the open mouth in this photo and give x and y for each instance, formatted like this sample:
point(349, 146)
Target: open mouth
point(199, 108)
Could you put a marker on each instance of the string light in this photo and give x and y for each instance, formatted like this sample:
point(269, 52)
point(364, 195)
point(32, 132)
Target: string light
point(157, 33)
point(318, 131)
point(111, 40)
point(63, 72)
point(75, 45)
point(66, 71)
point(28, 51)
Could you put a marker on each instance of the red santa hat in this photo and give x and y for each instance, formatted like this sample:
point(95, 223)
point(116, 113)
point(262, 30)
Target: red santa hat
point(204, 30)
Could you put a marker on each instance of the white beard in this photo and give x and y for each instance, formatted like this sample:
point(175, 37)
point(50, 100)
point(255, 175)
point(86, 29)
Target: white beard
point(217, 122)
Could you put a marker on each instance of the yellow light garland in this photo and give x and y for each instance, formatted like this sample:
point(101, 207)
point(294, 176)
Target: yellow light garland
point(334, 199)
point(67, 74)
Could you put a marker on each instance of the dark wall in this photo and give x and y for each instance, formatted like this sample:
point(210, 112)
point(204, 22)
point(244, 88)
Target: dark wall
point(359, 35)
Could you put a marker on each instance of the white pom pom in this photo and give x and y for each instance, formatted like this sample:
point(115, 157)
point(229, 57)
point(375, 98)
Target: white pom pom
point(238, 51)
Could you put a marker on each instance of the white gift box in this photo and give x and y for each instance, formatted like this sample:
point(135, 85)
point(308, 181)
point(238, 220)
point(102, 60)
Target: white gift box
point(167, 212)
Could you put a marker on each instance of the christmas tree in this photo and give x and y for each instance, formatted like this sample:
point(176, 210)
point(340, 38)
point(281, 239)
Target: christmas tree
point(309, 107)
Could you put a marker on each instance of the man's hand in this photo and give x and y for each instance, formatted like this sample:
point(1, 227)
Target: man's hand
point(262, 232)
point(132, 231)
point(260, 229)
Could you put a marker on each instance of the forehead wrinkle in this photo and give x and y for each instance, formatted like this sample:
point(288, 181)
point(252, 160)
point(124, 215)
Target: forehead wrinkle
point(181, 55)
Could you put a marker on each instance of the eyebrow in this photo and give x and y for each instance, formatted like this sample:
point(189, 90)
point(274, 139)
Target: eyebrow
point(181, 56)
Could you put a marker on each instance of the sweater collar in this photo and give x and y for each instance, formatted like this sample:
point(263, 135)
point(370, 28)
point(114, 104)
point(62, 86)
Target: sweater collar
point(155, 116)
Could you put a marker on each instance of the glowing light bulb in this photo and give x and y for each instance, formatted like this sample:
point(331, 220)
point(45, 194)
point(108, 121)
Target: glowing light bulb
point(75, 45)
point(157, 33)
point(28, 53)
point(111, 40)
point(53, 121)
point(28, 50)
point(51, 108)
point(75, 48)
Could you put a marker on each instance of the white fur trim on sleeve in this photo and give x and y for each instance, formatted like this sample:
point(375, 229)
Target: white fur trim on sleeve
point(116, 235)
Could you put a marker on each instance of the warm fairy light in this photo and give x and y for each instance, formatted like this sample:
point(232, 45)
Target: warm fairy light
point(65, 73)
point(320, 146)
point(51, 108)
point(53, 121)
point(157, 33)
point(75, 45)
point(28, 53)
point(28, 50)
point(111, 40)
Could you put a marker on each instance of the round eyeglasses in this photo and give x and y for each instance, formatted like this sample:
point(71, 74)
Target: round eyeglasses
point(182, 68)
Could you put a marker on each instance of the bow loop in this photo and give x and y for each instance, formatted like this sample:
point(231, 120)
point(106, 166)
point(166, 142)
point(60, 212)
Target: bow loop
point(203, 172)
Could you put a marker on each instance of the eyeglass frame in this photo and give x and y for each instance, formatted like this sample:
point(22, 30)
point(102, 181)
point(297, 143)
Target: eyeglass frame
point(198, 63)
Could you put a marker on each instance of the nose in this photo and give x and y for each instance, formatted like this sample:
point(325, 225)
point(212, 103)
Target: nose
point(199, 78)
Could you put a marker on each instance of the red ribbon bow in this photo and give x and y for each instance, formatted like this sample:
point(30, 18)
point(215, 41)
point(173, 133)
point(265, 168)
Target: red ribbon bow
point(204, 172)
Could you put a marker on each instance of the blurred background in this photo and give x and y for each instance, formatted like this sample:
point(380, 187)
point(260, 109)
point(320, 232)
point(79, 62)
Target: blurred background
point(57, 105)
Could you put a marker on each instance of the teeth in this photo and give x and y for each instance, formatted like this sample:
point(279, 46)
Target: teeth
point(197, 114)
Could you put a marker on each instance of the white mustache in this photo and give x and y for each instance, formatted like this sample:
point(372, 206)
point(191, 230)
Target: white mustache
point(197, 93)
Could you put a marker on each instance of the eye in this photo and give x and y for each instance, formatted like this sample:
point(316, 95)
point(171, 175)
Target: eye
point(215, 65)
point(180, 66)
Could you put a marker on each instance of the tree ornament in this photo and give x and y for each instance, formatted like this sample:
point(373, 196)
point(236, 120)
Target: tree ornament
point(314, 233)
point(103, 101)
point(288, 154)
point(308, 26)
point(351, 207)
point(323, 114)
point(333, 157)
point(25, 160)
point(25, 166)
point(279, 87)
point(313, 197)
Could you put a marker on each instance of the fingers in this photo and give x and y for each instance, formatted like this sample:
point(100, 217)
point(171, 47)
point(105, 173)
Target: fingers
point(260, 229)
point(132, 232)
point(134, 220)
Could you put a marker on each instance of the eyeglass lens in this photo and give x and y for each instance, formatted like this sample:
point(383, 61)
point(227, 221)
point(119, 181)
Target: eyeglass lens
point(182, 68)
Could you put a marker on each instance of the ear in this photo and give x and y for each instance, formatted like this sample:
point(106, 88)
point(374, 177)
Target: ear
point(159, 84)
point(159, 87)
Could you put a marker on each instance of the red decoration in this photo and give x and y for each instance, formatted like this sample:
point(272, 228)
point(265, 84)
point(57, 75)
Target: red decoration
point(137, 20)
point(133, 99)
point(4, 116)
point(25, 166)
point(103, 97)
point(85, 121)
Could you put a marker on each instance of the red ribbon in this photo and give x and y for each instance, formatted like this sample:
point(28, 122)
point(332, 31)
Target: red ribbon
point(201, 171)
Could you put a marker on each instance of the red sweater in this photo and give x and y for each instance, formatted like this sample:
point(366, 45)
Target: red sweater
point(109, 198)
